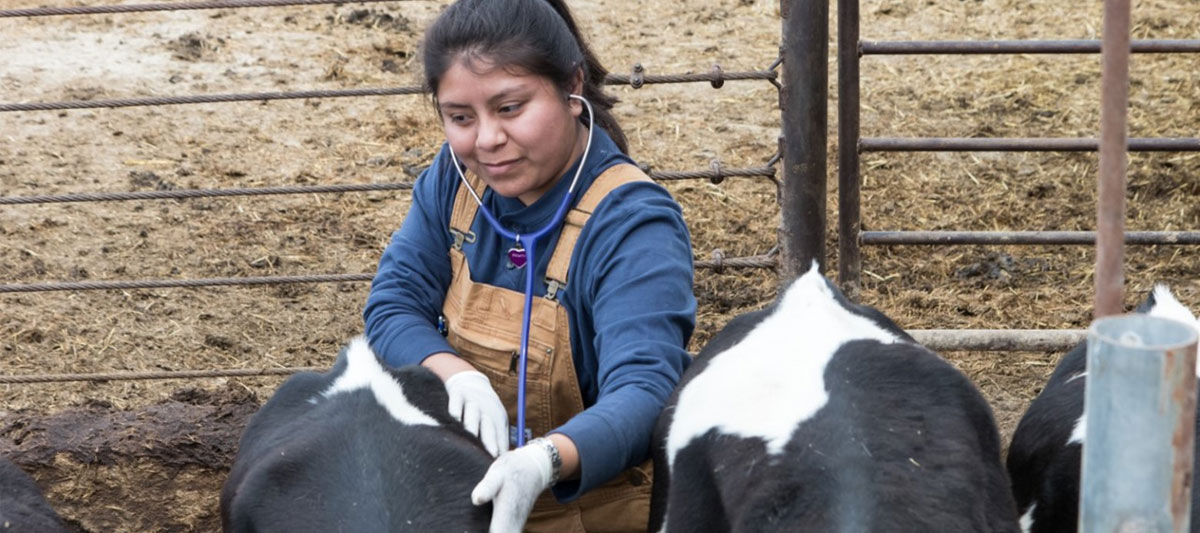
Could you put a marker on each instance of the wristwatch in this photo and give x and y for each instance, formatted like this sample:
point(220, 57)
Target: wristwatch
point(555, 457)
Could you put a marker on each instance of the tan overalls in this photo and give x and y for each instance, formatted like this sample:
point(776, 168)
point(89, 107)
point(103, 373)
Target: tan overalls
point(484, 326)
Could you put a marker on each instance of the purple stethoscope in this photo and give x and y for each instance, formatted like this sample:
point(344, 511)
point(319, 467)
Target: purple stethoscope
point(525, 249)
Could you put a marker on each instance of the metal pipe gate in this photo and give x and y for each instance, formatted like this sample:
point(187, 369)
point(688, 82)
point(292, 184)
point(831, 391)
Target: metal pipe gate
point(851, 145)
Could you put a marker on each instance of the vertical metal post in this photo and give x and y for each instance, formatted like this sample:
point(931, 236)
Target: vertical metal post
point(1110, 207)
point(805, 37)
point(849, 178)
point(1140, 409)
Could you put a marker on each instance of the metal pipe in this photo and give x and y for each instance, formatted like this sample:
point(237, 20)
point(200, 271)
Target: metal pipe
point(942, 340)
point(611, 79)
point(802, 104)
point(1044, 144)
point(849, 173)
point(1022, 237)
point(1140, 409)
point(764, 172)
point(170, 6)
point(1110, 204)
point(210, 99)
point(711, 77)
point(104, 377)
point(754, 261)
point(200, 193)
point(1157, 46)
point(998, 340)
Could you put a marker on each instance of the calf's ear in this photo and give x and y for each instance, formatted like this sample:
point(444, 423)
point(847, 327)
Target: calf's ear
point(1164, 304)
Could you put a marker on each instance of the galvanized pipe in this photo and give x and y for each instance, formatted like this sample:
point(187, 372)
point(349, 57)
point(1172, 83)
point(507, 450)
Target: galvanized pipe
point(971, 144)
point(998, 340)
point(1022, 237)
point(849, 173)
point(1114, 131)
point(802, 104)
point(1139, 411)
point(1159, 46)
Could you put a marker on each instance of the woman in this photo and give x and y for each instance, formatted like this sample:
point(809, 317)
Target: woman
point(529, 131)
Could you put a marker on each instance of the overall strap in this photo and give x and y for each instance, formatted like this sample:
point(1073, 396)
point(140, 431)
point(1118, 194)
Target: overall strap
point(616, 176)
point(463, 213)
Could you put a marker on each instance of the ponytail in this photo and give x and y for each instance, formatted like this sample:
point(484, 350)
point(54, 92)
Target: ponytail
point(594, 75)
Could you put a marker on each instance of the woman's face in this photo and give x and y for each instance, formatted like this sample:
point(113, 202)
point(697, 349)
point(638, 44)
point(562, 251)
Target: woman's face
point(514, 130)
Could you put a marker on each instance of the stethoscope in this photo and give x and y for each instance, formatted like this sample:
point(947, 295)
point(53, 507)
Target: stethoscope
point(529, 242)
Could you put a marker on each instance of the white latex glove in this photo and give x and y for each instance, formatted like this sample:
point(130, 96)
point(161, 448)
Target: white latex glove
point(512, 484)
point(474, 403)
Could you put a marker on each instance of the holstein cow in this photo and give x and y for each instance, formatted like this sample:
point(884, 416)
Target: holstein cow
point(818, 414)
point(361, 448)
point(22, 506)
point(1045, 456)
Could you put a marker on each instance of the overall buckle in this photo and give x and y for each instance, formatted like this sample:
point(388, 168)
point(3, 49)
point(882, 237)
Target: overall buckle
point(460, 237)
point(552, 287)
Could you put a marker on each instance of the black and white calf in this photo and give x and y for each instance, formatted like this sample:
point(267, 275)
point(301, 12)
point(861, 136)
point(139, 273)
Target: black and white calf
point(818, 414)
point(22, 506)
point(1044, 459)
point(361, 448)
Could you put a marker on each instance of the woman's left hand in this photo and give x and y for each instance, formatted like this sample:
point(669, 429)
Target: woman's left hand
point(513, 483)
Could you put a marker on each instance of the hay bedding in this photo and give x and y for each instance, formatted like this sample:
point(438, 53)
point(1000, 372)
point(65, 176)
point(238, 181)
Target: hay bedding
point(144, 456)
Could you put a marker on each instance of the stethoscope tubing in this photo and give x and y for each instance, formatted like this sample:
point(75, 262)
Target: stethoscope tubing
point(530, 243)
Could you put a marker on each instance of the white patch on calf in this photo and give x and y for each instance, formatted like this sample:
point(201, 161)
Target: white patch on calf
point(1166, 306)
point(1027, 519)
point(1079, 433)
point(772, 381)
point(364, 371)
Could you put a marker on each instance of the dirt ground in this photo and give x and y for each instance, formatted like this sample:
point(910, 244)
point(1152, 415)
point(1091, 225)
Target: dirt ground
point(150, 456)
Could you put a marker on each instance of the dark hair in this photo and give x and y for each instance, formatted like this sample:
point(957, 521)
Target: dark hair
point(536, 36)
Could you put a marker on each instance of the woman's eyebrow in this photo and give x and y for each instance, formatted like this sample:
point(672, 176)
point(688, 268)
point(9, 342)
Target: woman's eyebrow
point(507, 92)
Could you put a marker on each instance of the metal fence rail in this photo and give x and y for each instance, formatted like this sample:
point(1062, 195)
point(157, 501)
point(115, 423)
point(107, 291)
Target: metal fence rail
point(1013, 144)
point(716, 174)
point(180, 194)
point(716, 77)
point(718, 263)
point(942, 340)
point(1189, 238)
point(160, 374)
point(998, 340)
point(173, 6)
point(1020, 47)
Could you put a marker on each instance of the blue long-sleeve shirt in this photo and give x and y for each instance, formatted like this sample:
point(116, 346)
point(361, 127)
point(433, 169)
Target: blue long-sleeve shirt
point(628, 297)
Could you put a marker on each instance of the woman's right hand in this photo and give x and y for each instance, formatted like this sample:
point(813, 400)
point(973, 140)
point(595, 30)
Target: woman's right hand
point(472, 400)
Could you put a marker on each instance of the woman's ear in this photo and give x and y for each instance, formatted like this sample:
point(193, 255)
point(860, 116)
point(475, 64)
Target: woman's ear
point(576, 90)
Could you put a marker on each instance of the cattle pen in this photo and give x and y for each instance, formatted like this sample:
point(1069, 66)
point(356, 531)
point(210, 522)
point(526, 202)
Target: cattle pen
point(146, 247)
